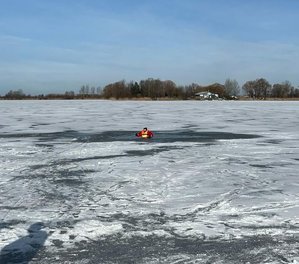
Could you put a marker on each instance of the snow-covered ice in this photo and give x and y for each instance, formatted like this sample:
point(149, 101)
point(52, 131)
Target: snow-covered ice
point(218, 183)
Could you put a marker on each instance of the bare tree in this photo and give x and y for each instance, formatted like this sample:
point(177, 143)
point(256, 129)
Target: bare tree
point(147, 88)
point(282, 90)
point(84, 90)
point(18, 94)
point(248, 88)
point(263, 88)
point(232, 88)
point(169, 89)
point(260, 88)
point(116, 90)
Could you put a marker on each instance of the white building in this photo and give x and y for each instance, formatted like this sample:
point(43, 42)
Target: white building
point(206, 96)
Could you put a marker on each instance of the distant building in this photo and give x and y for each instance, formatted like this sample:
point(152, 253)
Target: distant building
point(206, 96)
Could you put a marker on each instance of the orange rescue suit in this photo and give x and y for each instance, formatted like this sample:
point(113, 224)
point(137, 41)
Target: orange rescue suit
point(145, 134)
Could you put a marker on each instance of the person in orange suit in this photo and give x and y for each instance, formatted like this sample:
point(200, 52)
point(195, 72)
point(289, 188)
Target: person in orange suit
point(145, 133)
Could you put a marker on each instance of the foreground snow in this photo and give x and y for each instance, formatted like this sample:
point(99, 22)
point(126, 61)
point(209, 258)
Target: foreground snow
point(217, 184)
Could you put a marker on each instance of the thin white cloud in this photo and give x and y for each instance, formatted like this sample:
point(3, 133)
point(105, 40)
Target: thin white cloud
point(11, 39)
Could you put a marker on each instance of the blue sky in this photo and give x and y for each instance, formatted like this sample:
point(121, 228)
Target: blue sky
point(58, 45)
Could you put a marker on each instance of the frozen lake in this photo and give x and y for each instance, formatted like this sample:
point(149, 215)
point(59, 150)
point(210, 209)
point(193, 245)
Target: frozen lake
point(218, 183)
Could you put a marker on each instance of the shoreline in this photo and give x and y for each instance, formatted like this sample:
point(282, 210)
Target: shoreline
point(150, 99)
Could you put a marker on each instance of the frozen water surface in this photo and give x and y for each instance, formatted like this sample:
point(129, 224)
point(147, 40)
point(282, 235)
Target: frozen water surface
point(217, 184)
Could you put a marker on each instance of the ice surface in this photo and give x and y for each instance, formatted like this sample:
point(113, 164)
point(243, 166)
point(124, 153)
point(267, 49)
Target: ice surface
point(218, 183)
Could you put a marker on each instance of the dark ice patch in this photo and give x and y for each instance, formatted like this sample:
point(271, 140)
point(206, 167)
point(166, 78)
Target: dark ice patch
point(151, 152)
point(10, 223)
point(165, 136)
point(37, 125)
point(190, 126)
point(69, 181)
point(71, 134)
point(57, 243)
point(45, 145)
point(262, 166)
point(162, 249)
point(112, 136)
point(264, 193)
point(12, 207)
point(139, 248)
point(129, 153)
point(274, 141)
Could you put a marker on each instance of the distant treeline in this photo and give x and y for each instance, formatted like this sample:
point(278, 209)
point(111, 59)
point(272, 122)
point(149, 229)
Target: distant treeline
point(157, 89)
point(68, 95)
